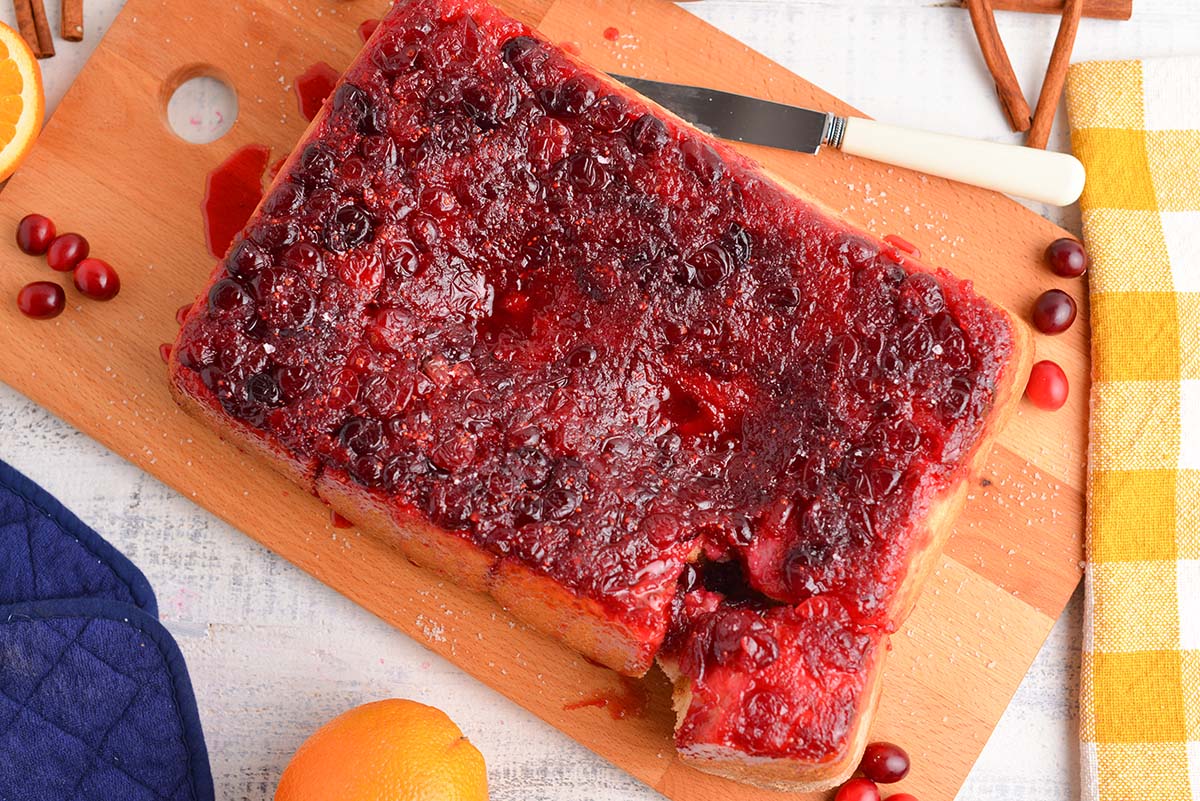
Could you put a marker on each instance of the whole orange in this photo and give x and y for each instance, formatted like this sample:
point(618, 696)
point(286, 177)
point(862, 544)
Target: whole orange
point(392, 750)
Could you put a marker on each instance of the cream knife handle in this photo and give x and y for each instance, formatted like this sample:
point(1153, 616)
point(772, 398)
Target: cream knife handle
point(1042, 175)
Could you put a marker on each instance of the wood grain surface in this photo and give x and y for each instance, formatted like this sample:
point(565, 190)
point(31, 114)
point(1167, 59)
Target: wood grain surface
point(109, 167)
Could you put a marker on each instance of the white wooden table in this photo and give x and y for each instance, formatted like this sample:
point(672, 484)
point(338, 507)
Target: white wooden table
point(273, 653)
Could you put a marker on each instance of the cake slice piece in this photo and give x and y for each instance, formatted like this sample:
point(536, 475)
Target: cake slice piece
point(569, 351)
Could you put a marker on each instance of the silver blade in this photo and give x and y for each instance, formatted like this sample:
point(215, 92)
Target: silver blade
point(737, 117)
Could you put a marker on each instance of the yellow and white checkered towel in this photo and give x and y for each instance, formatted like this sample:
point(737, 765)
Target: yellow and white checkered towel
point(1136, 127)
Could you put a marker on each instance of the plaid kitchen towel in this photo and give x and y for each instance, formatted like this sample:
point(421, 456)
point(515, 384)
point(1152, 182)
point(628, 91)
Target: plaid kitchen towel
point(1136, 127)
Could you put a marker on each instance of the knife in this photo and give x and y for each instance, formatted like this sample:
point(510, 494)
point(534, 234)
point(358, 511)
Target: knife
point(1045, 176)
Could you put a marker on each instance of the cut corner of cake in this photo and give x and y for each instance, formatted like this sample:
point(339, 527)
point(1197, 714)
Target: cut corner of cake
point(568, 351)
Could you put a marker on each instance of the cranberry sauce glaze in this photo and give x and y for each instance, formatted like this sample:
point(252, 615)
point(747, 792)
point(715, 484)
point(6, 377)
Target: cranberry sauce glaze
point(525, 306)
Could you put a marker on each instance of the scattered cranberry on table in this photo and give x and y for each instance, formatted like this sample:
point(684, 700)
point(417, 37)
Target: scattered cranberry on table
point(1053, 311)
point(858, 790)
point(35, 232)
point(1047, 388)
point(884, 763)
point(902, 797)
point(66, 251)
point(41, 300)
point(1067, 258)
point(96, 279)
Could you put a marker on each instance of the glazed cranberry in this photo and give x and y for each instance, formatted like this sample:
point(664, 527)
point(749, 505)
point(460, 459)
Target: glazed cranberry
point(648, 134)
point(362, 434)
point(523, 54)
point(703, 161)
point(610, 113)
point(286, 198)
point(710, 265)
point(66, 251)
point(1067, 258)
point(293, 382)
point(275, 236)
point(393, 55)
point(247, 259)
point(316, 165)
point(858, 790)
point(401, 258)
point(379, 151)
point(1047, 388)
point(228, 297)
point(303, 258)
point(587, 172)
point(35, 232)
point(41, 300)
point(263, 388)
point(570, 99)
point(97, 279)
point(884, 763)
point(350, 227)
point(920, 296)
point(1053, 311)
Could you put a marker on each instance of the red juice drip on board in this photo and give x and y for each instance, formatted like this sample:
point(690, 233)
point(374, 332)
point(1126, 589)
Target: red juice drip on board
point(900, 243)
point(313, 86)
point(337, 521)
point(611, 33)
point(366, 28)
point(231, 193)
point(164, 351)
point(629, 701)
point(182, 312)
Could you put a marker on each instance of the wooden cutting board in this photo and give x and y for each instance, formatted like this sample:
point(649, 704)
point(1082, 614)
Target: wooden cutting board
point(108, 166)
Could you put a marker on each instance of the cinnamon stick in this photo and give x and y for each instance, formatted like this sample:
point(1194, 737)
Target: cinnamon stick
point(24, 11)
point(1056, 75)
point(41, 26)
point(72, 20)
point(1097, 9)
point(983, 20)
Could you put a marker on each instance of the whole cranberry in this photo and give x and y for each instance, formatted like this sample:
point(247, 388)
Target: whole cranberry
point(1053, 311)
point(1067, 258)
point(902, 797)
point(41, 300)
point(884, 763)
point(66, 251)
point(97, 279)
point(858, 790)
point(1047, 388)
point(35, 232)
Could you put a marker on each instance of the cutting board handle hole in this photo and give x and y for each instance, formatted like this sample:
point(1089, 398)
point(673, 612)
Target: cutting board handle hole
point(199, 103)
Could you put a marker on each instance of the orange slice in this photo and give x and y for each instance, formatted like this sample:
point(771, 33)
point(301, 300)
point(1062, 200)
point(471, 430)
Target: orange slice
point(22, 103)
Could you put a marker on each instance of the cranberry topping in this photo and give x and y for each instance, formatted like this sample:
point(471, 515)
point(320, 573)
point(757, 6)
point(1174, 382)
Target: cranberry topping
point(35, 232)
point(500, 297)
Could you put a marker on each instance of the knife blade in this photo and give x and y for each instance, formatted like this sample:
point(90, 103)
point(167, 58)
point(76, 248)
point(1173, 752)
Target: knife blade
point(738, 117)
point(1045, 176)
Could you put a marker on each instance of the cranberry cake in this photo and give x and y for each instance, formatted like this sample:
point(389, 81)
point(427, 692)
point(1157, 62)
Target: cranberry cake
point(571, 352)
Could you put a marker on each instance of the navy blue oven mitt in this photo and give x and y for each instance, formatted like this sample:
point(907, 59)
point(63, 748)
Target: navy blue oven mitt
point(95, 700)
point(47, 552)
